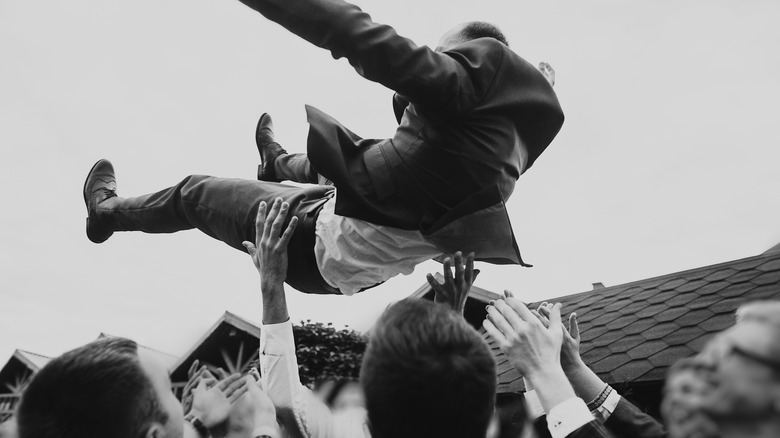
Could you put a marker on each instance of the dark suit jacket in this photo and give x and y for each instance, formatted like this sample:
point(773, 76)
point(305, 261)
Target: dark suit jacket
point(627, 421)
point(457, 152)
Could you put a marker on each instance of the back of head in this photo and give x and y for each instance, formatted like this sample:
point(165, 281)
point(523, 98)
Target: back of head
point(480, 29)
point(427, 373)
point(97, 390)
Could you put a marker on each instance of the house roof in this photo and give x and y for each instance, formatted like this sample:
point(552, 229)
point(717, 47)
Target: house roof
point(19, 368)
point(230, 333)
point(633, 332)
point(34, 361)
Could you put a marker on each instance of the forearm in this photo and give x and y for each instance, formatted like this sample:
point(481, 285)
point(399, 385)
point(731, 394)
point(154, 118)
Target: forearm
point(274, 301)
point(551, 387)
point(587, 385)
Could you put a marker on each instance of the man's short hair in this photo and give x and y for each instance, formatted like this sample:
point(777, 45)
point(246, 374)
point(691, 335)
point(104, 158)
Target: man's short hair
point(95, 391)
point(480, 29)
point(427, 373)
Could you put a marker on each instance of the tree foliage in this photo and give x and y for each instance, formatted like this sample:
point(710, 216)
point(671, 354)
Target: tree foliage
point(325, 352)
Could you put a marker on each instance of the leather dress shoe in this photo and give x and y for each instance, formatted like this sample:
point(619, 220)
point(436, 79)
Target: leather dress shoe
point(269, 149)
point(99, 186)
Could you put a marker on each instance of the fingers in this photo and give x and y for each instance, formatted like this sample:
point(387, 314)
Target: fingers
point(271, 217)
point(238, 393)
point(234, 386)
point(222, 374)
point(504, 317)
point(574, 327)
point(281, 215)
point(471, 274)
point(448, 282)
point(260, 223)
point(508, 293)
point(228, 381)
point(288, 233)
point(250, 247)
point(459, 277)
point(522, 311)
point(437, 289)
point(555, 315)
point(193, 369)
point(494, 332)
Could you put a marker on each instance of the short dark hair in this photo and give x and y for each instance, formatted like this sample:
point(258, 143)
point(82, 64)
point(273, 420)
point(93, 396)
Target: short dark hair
point(427, 373)
point(480, 29)
point(95, 391)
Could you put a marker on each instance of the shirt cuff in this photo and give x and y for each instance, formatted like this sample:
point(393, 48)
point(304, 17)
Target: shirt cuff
point(277, 338)
point(608, 407)
point(568, 416)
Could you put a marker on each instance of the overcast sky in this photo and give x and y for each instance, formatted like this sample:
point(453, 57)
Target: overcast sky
point(668, 159)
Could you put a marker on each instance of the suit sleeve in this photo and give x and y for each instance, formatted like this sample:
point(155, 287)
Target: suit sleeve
point(379, 54)
point(629, 421)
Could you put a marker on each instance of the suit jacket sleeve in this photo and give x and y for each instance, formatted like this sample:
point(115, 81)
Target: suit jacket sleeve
point(378, 53)
point(629, 421)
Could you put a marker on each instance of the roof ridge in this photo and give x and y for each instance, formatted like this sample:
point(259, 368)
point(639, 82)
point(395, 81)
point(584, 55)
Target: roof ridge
point(607, 290)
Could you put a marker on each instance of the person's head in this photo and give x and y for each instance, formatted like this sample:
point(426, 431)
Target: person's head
point(741, 367)
point(107, 388)
point(427, 373)
point(345, 394)
point(465, 32)
point(683, 390)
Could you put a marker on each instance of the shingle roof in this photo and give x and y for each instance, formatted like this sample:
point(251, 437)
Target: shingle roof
point(633, 332)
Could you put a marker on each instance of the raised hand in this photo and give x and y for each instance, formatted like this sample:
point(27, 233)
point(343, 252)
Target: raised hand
point(212, 405)
point(532, 347)
point(269, 251)
point(570, 350)
point(454, 292)
point(528, 344)
point(195, 374)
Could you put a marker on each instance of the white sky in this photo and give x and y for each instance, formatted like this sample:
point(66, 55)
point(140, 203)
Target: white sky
point(668, 158)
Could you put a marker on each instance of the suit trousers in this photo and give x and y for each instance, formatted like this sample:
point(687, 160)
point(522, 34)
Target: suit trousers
point(226, 209)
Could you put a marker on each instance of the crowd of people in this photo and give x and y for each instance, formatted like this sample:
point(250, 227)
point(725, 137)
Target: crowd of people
point(426, 373)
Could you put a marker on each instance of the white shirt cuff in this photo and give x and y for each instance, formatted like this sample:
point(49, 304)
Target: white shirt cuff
point(608, 407)
point(277, 339)
point(568, 416)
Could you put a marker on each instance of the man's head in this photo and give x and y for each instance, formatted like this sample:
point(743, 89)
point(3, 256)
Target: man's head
point(683, 392)
point(107, 388)
point(427, 373)
point(469, 31)
point(742, 369)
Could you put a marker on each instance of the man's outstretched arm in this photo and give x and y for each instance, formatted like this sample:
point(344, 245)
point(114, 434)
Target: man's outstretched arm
point(376, 51)
point(298, 409)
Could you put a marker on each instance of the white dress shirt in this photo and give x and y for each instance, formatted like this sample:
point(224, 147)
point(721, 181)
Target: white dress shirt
point(297, 406)
point(353, 254)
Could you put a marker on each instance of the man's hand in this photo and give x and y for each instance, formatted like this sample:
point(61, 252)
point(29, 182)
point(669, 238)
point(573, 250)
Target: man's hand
point(195, 375)
point(570, 350)
point(212, 405)
point(269, 254)
point(548, 72)
point(528, 344)
point(454, 292)
point(269, 251)
point(533, 349)
point(264, 412)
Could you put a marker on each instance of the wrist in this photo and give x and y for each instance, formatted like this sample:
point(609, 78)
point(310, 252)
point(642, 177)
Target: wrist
point(197, 424)
point(551, 385)
point(573, 367)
